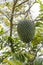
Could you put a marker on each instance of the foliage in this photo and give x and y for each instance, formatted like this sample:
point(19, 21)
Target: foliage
point(38, 61)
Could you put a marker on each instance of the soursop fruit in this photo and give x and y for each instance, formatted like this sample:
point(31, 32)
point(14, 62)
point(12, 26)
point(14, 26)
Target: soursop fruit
point(26, 30)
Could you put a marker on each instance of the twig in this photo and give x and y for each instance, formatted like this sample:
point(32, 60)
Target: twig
point(22, 3)
point(40, 19)
point(4, 14)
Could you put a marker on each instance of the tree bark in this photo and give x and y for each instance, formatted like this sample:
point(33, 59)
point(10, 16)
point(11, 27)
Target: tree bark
point(11, 24)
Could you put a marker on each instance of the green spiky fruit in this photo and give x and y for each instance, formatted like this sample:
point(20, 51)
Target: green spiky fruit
point(26, 30)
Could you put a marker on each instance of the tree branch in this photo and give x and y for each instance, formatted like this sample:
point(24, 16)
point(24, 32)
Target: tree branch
point(22, 3)
point(11, 24)
point(12, 17)
point(40, 19)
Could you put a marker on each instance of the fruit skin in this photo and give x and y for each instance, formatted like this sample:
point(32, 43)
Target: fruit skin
point(26, 30)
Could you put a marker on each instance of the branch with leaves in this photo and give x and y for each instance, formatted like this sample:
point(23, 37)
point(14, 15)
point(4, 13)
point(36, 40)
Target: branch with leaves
point(12, 16)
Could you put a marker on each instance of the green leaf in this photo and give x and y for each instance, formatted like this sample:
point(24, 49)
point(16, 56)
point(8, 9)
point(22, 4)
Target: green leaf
point(8, 61)
point(17, 62)
point(41, 6)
